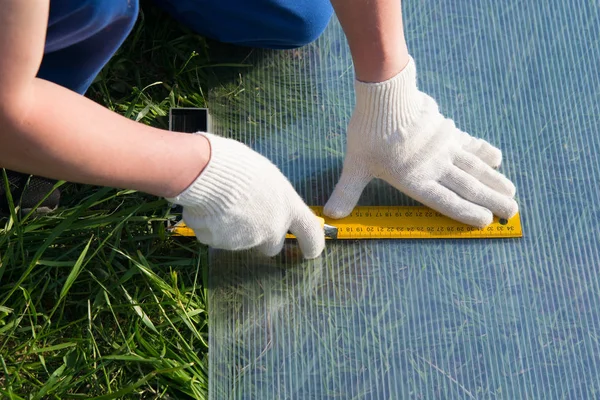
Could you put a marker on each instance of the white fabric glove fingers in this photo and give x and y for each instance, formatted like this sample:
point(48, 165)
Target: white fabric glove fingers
point(197, 223)
point(484, 173)
point(355, 176)
point(309, 232)
point(204, 236)
point(471, 189)
point(210, 237)
point(272, 247)
point(447, 202)
point(210, 233)
point(489, 154)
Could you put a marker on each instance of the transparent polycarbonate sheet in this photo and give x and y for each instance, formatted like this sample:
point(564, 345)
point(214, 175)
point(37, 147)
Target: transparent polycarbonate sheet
point(426, 319)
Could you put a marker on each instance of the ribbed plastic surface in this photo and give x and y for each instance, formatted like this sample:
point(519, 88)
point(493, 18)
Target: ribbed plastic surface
point(481, 319)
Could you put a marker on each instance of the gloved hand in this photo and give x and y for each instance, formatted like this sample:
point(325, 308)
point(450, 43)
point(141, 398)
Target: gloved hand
point(241, 201)
point(397, 134)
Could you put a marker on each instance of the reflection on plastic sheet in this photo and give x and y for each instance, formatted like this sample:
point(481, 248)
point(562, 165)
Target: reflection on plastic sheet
point(480, 319)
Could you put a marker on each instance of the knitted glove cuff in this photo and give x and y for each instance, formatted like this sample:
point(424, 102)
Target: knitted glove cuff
point(395, 103)
point(223, 182)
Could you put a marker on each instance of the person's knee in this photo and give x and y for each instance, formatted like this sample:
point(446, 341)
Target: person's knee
point(73, 21)
point(103, 14)
point(309, 20)
point(82, 36)
point(274, 24)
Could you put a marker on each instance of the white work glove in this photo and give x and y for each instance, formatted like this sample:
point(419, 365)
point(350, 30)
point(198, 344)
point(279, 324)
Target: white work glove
point(242, 201)
point(397, 134)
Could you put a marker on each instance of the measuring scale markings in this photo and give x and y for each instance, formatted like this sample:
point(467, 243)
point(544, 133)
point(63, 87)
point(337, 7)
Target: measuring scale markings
point(403, 222)
point(381, 222)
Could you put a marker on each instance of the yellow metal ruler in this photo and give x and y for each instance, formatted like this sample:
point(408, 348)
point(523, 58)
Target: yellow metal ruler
point(397, 222)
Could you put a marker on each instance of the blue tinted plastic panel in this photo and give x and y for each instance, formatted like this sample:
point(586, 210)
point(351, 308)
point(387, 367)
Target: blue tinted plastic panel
point(479, 319)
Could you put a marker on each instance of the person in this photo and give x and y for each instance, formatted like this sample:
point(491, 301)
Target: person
point(233, 197)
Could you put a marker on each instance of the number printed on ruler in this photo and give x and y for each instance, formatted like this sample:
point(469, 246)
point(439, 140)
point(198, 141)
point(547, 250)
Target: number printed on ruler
point(406, 222)
point(411, 222)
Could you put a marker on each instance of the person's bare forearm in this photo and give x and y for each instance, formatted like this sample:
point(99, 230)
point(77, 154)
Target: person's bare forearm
point(62, 135)
point(50, 131)
point(375, 35)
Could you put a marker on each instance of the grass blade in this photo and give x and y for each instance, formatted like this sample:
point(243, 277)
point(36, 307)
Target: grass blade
point(75, 271)
point(139, 311)
point(50, 383)
point(129, 389)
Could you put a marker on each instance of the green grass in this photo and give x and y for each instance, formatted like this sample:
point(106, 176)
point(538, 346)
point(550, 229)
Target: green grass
point(96, 300)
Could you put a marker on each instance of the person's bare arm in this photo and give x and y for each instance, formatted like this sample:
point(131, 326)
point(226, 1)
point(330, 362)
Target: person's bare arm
point(50, 131)
point(375, 35)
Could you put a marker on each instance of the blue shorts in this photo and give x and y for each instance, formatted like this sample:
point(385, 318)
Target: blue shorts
point(84, 34)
